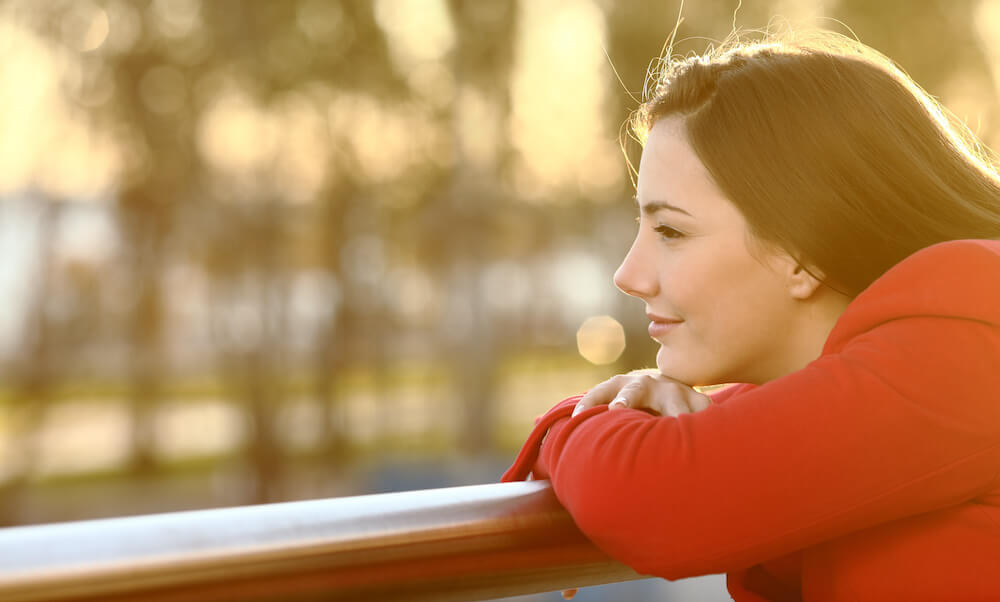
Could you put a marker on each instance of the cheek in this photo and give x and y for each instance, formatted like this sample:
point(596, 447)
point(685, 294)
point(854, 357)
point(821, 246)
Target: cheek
point(718, 322)
point(707, 292)
point(751, 317)
point(730, 307)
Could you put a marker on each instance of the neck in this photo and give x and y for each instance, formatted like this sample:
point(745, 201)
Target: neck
point(815, 318)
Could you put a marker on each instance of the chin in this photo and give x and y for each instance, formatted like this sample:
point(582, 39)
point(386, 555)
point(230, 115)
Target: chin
point(692, 376)
point(675, 370)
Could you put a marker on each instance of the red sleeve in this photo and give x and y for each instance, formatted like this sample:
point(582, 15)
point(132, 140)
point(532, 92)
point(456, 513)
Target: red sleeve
point(526, 464)
point(529, 465)
point(896, 423)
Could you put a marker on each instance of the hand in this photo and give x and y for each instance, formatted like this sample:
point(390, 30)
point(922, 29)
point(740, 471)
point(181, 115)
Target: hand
point(645, 389)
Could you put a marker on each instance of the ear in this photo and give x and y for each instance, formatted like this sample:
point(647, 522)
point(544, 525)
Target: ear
point(803, 282)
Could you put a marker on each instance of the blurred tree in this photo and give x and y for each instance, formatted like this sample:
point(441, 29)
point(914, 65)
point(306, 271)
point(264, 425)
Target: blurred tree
point(353, 331)
point(35, 369)
point(482, 59)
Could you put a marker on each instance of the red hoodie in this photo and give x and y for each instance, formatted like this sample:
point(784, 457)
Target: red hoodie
point(871, 474)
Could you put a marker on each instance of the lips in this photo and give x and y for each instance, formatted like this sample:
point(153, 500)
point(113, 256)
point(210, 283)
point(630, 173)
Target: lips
point(659, 326)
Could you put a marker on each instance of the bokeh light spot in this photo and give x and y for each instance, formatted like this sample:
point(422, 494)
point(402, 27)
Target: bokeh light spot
point(600, 339)
point(85, 27)
point(176, 18)
point(235, 134)
point(97, 32)
point(418, 30)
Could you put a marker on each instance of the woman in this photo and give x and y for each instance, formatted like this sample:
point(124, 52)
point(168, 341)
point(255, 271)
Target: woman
point(812, 227)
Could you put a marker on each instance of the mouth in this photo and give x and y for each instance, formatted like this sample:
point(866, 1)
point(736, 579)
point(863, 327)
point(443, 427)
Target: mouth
point(659, 326)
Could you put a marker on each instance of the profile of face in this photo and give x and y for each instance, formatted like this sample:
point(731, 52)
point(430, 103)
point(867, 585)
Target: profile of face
point(720, 311)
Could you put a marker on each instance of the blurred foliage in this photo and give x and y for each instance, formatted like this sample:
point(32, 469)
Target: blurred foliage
point(308, 207)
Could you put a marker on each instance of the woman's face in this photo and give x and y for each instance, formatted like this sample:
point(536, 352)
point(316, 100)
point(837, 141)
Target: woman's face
point(719, 313)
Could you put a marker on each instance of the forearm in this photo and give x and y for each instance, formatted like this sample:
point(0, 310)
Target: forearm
point(811, 457)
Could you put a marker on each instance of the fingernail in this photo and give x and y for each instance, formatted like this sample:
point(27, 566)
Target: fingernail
point(618, 402)
point(577, 410)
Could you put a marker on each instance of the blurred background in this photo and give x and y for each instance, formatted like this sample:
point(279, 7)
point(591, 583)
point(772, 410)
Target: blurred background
point(259, 250)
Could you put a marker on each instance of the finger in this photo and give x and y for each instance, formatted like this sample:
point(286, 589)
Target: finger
point(568, 594)
point(602, 393)
point(631, 394)
point(675, 405)
point(698, 401)
point(653, 372)
point(662, 397)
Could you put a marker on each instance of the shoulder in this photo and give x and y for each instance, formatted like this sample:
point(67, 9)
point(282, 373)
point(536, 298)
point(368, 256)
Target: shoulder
point(952, 259)
point(954, 279)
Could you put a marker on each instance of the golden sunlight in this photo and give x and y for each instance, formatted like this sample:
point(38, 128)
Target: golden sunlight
point(418, 30)
point(987, 24)
point(558, 121)
point(45, 142)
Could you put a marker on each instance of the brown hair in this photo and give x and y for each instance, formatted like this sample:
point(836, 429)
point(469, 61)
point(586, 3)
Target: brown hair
point(830, 152)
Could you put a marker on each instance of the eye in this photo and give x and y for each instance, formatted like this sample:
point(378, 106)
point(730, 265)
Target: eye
point(668, 233)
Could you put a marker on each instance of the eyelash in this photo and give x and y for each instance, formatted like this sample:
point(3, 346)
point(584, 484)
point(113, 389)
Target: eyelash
point(668, 233)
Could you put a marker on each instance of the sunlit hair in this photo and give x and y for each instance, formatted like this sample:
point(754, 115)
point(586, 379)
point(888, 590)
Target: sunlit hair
point(829, 150)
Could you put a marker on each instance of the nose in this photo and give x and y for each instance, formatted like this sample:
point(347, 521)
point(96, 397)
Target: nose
point(636, 275)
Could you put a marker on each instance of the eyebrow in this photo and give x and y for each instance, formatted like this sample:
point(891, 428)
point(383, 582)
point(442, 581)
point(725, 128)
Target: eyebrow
point(654, 206)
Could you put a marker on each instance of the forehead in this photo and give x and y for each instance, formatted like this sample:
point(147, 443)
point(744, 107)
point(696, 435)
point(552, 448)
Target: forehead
point(667, 156)
point(670, 170)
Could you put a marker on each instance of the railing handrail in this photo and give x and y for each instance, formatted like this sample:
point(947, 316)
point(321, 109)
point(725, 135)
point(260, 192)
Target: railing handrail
point(459, 543)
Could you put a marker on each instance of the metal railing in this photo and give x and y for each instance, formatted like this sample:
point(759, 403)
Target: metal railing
point(460, 543)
